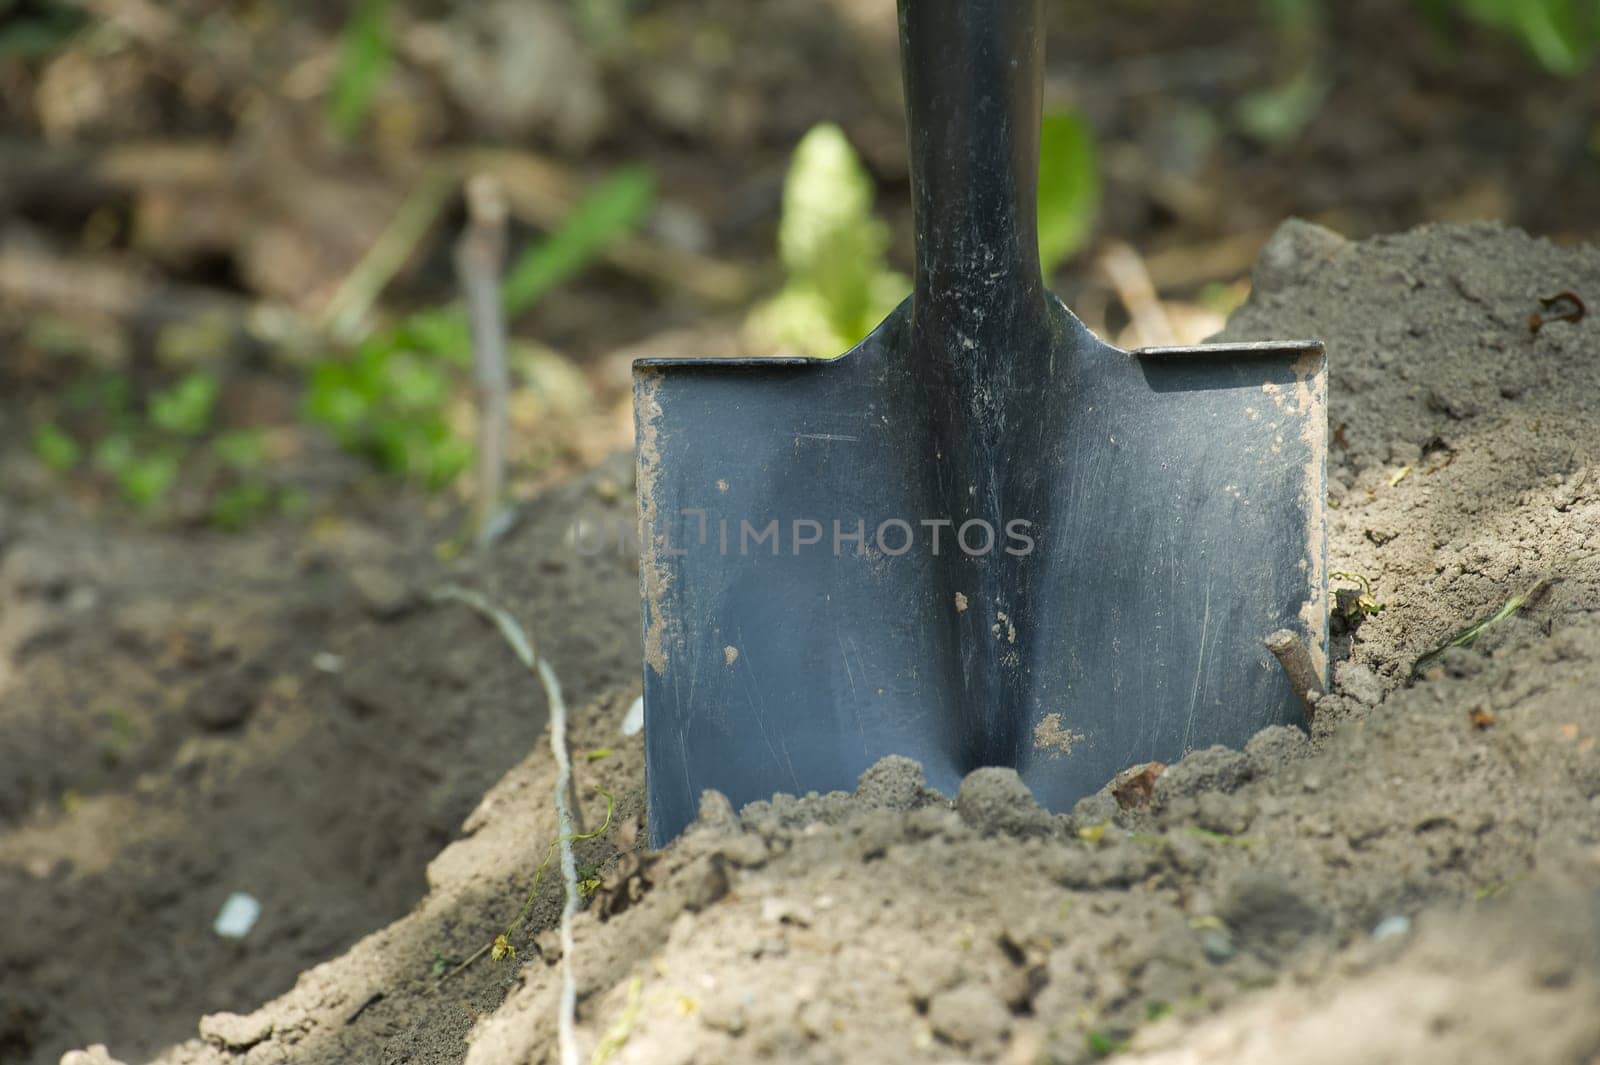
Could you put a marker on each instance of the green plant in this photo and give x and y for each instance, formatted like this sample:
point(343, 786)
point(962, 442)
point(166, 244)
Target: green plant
point(832, 247)
point(143, 448)
point(838, 285)
point(365, 56)
point(185, 409)
point(387, 403)
point(28, 31)
point(1103, 1044)
point(56, 449)
point(1563, 35)
point(388, 399)
point(1069, 187)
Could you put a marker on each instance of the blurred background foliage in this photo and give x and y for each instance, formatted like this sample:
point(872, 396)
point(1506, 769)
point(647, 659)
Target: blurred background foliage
point(226, 228)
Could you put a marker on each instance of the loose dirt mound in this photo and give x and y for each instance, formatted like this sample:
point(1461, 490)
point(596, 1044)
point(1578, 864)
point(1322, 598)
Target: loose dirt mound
point(1418, 881)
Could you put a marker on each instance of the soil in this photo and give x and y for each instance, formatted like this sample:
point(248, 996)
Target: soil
point(1417, 880)
point(286, 715)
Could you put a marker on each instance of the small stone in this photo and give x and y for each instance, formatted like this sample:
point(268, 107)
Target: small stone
point(1358, 681)
point(1217, 946)
point(970, 1017)
point(239, 913)
point(995, 800)
point(234, 1031)
point(1390, 927)
point(633, 720)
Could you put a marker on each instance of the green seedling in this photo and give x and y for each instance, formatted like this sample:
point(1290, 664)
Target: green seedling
point(389, 399)
point(832, 247)
point(56, 449)
point(618, 1033)
point(1468, 636)
point(143, 448)
point(502, 949)
point(1221, 837)
point(1069, 187)
point(36, 30)
point(1352, 606)
point(365, 57)
point(1103, 1044)
point(186, 408)
point(1562, 35)
point(143, 473)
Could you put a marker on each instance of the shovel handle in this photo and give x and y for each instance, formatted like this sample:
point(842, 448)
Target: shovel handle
point(973, 90)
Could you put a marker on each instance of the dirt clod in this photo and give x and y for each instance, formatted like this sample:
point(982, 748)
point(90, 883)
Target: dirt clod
point(235, 1032)
point(894, 783)
point(994, 800)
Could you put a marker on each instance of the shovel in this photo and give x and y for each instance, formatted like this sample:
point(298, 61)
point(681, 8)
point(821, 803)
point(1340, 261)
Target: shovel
point(982, 536)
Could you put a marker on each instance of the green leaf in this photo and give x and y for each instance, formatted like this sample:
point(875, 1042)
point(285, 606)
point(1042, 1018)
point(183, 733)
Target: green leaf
point(185, 408)
point(616, 206)
point(56, 449)
point(832, 249)
point(37, 33)
point(144, 478)
point(1069, 187)
point(828, 238)
point(1103, 1045)
point(237, 507)
point(365, 56)
point(1563, 35)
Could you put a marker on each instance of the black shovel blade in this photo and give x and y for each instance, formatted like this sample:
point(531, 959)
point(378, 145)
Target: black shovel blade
point(1068, 572)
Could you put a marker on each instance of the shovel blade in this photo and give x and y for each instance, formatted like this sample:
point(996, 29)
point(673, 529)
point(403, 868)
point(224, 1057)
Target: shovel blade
point(840, 560)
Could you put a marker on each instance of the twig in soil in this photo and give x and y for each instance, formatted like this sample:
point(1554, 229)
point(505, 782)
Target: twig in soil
point(1131, 281)
point(1295, 658)
point(345, 316)
point(480, 254)
point(1468, 636)
point(543, 192)
point(523, 648)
